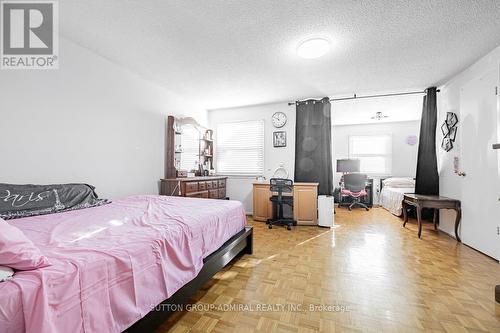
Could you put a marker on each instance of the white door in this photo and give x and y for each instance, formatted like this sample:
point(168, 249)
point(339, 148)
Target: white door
point(481, 185)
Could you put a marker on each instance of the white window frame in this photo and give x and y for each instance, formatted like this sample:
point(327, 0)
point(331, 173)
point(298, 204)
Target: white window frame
point(388, 156)
point(261, 146)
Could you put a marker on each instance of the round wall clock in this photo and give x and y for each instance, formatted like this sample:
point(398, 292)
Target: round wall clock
point(279, 119)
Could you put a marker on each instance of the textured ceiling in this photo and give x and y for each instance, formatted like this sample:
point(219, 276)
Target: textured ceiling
point(234, 52)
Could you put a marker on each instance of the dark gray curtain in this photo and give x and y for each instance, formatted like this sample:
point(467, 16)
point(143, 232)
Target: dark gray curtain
point(313, 144)
point(427, 181)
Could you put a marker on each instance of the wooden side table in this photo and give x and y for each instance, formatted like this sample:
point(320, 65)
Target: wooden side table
point(437, 202)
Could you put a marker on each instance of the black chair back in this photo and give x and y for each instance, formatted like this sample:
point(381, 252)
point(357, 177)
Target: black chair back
point(355, 182)
point(281, 185)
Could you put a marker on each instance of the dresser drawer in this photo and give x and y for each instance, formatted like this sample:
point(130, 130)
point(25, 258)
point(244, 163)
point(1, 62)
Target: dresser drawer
point(193, 195)
point(222, 193)
point(213, 194)
point(191, 187)
point(202, 186)
point(222, 183)
point(202, 194)
point(215, 184)
point(209, 185)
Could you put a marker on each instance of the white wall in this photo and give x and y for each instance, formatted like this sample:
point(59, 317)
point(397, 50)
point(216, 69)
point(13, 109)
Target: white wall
point(449, 100)
point(90, 121)
point(404, 156)
point(240, 188)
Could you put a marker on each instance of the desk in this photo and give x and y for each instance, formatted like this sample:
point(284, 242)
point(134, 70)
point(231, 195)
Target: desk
point(431, 201)
point(305, 202)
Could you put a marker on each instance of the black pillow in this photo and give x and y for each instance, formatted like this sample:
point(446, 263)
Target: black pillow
point(18, 201)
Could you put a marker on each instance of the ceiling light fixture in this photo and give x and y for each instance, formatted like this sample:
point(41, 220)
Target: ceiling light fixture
point(313, 48)
point(379, 116)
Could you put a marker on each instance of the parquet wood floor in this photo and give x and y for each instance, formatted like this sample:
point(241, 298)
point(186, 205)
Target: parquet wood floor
point(387, 279)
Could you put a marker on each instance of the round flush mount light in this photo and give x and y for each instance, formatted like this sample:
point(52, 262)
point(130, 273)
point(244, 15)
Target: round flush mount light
point(313, 48)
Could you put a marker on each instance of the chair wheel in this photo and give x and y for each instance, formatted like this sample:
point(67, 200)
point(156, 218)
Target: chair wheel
point(270, 227)
point(288, 228)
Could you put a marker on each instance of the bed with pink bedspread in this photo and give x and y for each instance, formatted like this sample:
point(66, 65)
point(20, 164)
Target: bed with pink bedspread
point(112, 264)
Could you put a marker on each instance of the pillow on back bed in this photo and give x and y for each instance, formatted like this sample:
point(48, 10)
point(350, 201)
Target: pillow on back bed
point(401, 182)
point(29, 200)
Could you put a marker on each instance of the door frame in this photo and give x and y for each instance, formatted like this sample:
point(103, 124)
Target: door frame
point(498, 152)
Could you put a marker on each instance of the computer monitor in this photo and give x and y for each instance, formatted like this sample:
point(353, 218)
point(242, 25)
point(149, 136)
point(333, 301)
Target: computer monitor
point(347, 166)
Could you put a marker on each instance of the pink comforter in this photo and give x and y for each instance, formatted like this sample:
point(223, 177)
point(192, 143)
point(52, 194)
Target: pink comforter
point(113, 264)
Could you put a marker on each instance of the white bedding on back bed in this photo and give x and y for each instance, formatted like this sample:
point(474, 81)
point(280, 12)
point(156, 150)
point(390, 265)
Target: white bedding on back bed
point(391, 198)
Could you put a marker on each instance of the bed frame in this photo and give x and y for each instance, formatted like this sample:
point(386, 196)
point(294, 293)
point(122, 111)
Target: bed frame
point(241, 243)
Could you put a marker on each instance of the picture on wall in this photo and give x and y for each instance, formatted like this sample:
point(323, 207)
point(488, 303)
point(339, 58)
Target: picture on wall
point(449, 130)
point(279, 139)
point(453, 133)
point(444, 129)
point(451, 119)
point(447, 145)
point(412, 140)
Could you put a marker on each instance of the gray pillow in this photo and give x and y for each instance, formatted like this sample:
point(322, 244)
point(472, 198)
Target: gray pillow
point(18, 201)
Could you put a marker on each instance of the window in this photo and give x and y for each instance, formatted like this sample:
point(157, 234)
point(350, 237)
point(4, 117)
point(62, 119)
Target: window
point(190, 142)
point(374, 152)
point(240, 148)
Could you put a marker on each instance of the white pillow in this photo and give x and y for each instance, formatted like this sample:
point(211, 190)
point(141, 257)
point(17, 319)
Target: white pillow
point(399, 182)
point(6, 273)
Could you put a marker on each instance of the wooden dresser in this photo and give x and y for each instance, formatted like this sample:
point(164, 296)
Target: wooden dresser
point(213, 187)
point(305, 202)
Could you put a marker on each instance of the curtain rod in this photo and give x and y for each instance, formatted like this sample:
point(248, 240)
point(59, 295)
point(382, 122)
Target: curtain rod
point(373, 96)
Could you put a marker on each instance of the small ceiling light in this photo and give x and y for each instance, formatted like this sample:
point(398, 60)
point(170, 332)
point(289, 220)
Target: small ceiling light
point(313, 48)
point(379, 116)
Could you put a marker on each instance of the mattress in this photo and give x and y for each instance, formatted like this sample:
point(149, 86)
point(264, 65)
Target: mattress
point(391, 198)
point(112, 264)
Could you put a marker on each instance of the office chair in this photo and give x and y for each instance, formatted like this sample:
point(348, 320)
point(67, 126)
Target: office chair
point(281, 186)
point(354, 187)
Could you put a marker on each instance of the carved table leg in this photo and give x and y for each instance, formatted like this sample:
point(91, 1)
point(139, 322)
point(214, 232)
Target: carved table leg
point(458, 209)
point(405, 213)
point(419, 220)
point(435, 217)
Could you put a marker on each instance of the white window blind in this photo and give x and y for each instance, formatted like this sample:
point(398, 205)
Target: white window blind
point(240, 148)
point(374, 152)
point(190, 148)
